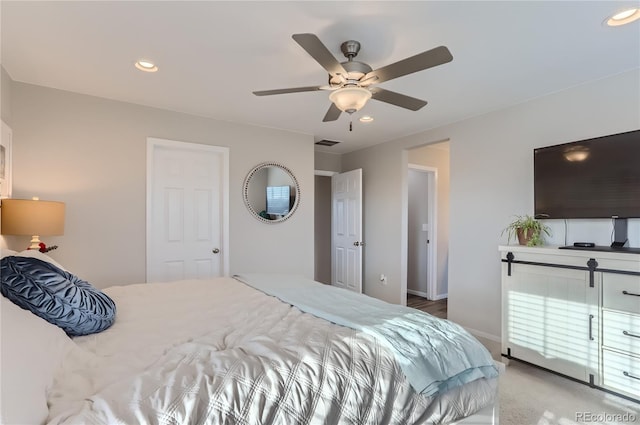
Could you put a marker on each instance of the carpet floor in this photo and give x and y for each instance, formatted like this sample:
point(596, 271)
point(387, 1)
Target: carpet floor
point(531, 396)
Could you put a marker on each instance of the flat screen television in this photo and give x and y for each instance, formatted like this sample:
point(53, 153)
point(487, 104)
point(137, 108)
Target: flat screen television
point(277, 200)
point(594, 178)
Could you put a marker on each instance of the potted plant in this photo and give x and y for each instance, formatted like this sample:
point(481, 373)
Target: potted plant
point(527, 229)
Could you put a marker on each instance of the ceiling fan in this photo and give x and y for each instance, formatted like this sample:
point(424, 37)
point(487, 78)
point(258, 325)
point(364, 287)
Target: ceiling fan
point(351, 82)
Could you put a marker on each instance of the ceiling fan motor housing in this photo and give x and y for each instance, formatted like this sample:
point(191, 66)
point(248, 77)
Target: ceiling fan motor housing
point(350, 48)
point(355, 71)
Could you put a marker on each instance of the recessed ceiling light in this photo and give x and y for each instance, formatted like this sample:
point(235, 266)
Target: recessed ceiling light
point(623, 17)
point(366, 118)
point(146, 66)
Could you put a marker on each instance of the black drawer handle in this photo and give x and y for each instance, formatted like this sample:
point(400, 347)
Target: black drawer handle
point(630, 334)
point(628, 375)
point(630, 293)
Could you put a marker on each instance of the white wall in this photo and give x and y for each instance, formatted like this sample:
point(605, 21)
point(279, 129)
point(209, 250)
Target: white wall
point(328, 162)
point(491, 180)
point(91, 153)
point(438, 157)
point(5, 96)
point(5, 113)
point(383, 176)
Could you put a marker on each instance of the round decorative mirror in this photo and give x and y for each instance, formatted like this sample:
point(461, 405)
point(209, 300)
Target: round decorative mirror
point(271, 192)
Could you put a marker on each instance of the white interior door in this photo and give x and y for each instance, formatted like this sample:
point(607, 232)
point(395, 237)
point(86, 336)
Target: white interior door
point(346, 230)
point(187, 211)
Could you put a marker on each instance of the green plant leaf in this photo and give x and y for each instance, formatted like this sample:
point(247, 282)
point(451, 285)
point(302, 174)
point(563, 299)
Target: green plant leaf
point(530, 226)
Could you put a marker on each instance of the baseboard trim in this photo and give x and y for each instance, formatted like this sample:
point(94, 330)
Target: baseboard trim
point(482, 334)
point(418, 293)
point(424, 295)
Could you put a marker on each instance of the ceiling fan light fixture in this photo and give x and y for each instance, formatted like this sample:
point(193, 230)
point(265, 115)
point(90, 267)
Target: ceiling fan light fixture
point(623, 17)
point(350, 99)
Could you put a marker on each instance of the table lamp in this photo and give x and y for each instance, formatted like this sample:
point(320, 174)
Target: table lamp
point(33, 218)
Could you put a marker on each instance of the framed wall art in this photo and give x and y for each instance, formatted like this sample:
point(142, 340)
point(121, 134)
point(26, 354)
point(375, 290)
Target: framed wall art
point(6, 153)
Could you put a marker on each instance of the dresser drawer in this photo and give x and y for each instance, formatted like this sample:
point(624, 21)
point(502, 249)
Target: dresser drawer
point(621, 331)
point(621, 292)
point(621, 373)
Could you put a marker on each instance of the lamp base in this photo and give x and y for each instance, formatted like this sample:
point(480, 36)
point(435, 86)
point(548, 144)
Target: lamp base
point(35, 242)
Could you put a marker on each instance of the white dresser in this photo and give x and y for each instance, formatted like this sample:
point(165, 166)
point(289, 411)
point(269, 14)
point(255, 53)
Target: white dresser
point(575, 312)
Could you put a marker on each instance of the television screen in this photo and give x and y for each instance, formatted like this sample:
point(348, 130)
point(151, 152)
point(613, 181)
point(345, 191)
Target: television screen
point(277, 200)
point(594, 178)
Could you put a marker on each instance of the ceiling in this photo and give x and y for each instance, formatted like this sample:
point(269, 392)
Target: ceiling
point(212, 55)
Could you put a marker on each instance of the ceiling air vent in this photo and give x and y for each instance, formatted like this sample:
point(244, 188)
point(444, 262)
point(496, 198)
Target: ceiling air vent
point(325, 142)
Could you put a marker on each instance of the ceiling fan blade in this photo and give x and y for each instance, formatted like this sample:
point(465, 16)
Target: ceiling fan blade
point(291, 90)
point(332, 114)
point(397, 99)
point(419, 62)
point(368, 80)
point(312, 44)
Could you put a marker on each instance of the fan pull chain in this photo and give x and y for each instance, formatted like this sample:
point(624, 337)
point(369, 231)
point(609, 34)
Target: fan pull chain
point(350, 125)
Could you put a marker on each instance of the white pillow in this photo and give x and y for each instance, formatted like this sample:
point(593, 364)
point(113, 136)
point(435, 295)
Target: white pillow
point(32, 350)
point(4, 252)
point(34, 253)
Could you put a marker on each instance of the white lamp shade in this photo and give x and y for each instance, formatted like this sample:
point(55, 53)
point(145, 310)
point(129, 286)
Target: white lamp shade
point(31, 217)
point(350, 99)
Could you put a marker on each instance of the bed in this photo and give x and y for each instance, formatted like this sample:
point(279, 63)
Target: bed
point(234, 350)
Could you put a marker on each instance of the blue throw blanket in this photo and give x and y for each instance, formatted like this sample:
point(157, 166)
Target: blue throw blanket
point(434, 354)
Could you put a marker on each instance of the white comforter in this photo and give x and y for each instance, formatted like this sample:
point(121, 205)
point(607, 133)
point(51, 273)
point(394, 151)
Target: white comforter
point(219, 352)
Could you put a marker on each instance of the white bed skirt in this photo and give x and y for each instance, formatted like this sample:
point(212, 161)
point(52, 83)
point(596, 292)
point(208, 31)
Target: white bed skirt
point(490, 415)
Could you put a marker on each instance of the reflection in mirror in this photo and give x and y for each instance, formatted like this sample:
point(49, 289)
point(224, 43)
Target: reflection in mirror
point(271, 192)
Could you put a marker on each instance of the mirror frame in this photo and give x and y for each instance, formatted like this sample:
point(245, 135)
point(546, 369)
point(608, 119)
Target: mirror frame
point(245, 192)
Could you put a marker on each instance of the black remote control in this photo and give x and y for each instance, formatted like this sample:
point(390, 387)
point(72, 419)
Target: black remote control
point(584, 244)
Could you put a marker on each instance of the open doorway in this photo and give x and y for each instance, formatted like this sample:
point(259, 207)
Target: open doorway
point(421, 234)
point(427, 228)
point(322, 245)
point(338, 229)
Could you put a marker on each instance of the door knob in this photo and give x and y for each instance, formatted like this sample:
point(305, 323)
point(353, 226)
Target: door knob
point(358, 244)
point(215, 250)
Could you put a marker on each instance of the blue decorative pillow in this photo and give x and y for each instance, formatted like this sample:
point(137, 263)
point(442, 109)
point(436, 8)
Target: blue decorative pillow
point(56, 295)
